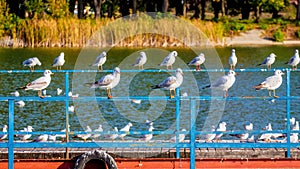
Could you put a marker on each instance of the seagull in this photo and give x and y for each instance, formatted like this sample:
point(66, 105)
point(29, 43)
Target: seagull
point(197, 61)
point(140, 60)
point(3, 136)
point(126, 130)
point(99, 129)
point(268, 61)
point(232, 60)
point(71, 109)
point(244, 136)
point(147, 137)
point(59, 61)
point(210, 137)
point(294, 138)
point(85, 136)
point(171, 83)
point(294, 60)
point(224, 82)
point(41, 138)
point(221, 128)
point(107, 82)
point(169, 60)
point(266, 136)
point(292, 120)
point(52, 137)
point(25, 136)
point(58, 91)
point(15, 93)
point(20, 103)
point(115, 135)
point(31, 62)
point(271, 83)
point(180, 137)
point(40, 83)
point(100, 60)
point(63, 136)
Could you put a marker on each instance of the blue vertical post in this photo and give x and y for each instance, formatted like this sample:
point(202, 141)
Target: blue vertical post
point(192, 134)
point(10, 133)
point(177, 121)
point(67, 111)
point(288, 111)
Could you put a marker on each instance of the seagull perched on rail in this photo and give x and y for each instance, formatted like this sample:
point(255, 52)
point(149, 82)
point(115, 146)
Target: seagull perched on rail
point(148, 137)
point(107, 82)
point(169, 60)
point(232, 60)
point(244, 136)
point(59, 61)
point(126, 130)
point(85, 136)
point(97, 135)
point(41, 138)
point(271, 83)
point(268, 61)
point(294, 60)
point(171, 83)
point(31, 62)
point(113, 136)
point(224, 82)
point(181, 137)
point(100, 60)
point(140, 60)
point(25, 137)
point(3, 136)
point(39, 84)
point(197, 61)
point(221, 128)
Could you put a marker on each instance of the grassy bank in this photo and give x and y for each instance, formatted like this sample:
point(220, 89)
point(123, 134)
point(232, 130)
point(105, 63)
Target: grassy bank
point(140, 31)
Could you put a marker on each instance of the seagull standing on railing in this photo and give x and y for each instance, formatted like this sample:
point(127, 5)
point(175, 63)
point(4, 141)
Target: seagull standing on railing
point(59, 61)
point(63, 136)
point(181, 137)
point(41, 138)
point(148, 137)
point(31, 62)
point(169, 60)
point(294, 60)
point(140, 60)
point(266, 136)
point(271, 83)
point(232, 60)
point(198, 61)
point(221, 128)
point(126, 130)
point(100, 60)
point(210, 137)
point(25, 137)
point(107, 82)
point(3, 136)
point(171, 83)
point(224, 82)
point(96, 136)
point(244, 136)
point(268, 61)
point(40, 83)
point(113, 136)
point(85, 136)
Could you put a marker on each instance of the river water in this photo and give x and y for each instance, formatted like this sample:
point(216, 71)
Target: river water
point(50, 116)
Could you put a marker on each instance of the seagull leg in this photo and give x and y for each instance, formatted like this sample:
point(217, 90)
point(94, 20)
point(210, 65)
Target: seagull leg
point(275, 94)
point(269, 93)
point(226, 94)
point(57, 68)
point(109, 96)
point(171, 95)
point(40, 94)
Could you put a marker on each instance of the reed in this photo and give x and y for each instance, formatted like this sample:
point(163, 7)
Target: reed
point(140, 31)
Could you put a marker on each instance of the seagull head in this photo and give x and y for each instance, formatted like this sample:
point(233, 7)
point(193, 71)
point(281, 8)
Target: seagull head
point(231, 73)
point(103, 53)
point(47, 73)
point(296, 51)
point(272, 55)
point(178, 70)
point(117, 70)
point(129, 124)
point(233, 51)
point(62, 54)
point(279, 72)
point(143, 54)
point(174, 53)
point(201, 55)
point(37, 61)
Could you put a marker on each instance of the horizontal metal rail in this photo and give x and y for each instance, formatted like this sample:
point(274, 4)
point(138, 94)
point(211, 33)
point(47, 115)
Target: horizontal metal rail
point(191, 144)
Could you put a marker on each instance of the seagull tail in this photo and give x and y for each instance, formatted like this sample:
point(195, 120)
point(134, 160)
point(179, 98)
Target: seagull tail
point(286, 63)
point(207, 86)
point(259, 64)
point(155, 87)
point(23, 88)
point(258, 87)
point(88, 84)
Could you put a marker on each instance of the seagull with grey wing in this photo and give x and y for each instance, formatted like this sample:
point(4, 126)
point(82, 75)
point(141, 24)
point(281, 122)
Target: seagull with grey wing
point(126, 130)
point(31, 62)
point(180, 137)
point(98, 130)
point(268, 61)
point(244, 136)
point(271, 83)
point(140, 60)
point(220, 129)
point(3, 136)
point(171, 83)
point(107, 82)
point(198, 61)
point(294, 60)
point(59, 61)
point(224, 82)
point(232, 60)
point(39, 84)
point(100, 60)
point(169, 60)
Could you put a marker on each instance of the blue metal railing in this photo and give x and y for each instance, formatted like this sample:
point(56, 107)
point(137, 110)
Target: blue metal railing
point(192, 144)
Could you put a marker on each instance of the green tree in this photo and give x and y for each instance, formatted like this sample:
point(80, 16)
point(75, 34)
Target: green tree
point(58, 8)
point(34, 8)
point(274, 6)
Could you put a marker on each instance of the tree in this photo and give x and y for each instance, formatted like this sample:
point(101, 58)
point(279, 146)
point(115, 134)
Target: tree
point(203, 5)
point(245, 9)
point(196, 6)
point(217, 5)
point(296, 3)
point(179, 6)
point(97, 8)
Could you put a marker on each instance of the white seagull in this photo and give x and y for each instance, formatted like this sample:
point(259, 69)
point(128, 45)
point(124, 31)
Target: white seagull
point(85, 136)
point(41, 138)
point(140, 60)
point(100, 60)
point(63, 136)
point(181, 137)
point(171, 83)
point(58, 91)
point(197, 61)
point(20, 103)
point(15, 93)
point(107, 82)
point(31, 62)
point(40, 83)
point(59, 61)
point(224, 82)
point(147, 137)
point(244, 136)
point(268, 61)
point(113, 136)
point(271, 83)
point(294, 60)
point(169, 60)
point(97, 135)
point(3, 136)
point(24, 137)
point(232, 60)
point(210, 137)
point(221, 128)
point(126, 130)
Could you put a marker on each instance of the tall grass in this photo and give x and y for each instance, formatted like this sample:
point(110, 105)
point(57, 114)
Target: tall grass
point(139, 31)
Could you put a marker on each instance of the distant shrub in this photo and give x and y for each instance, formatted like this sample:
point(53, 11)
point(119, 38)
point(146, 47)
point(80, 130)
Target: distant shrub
point(278, 36)
point(264, 26)
point(298, 33)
